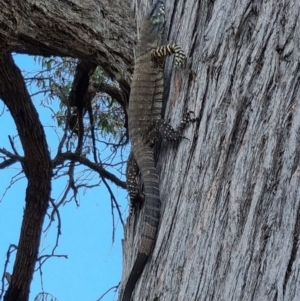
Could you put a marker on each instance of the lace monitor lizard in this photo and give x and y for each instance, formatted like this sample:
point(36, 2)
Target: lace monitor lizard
point(145, 128)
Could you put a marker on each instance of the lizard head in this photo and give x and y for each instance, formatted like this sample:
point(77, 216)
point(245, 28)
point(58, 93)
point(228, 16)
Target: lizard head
point(156, 18)
point(156, 13)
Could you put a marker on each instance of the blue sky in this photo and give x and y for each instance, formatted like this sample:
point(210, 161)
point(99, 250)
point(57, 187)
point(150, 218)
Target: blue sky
point(94, 264)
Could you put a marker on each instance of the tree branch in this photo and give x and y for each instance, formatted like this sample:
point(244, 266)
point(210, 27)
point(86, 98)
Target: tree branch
point(60, 158)
point(12, 158)
point(38, 28)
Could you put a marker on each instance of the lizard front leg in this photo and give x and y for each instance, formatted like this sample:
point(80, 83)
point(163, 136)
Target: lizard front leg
point(167, 132)
point(161, 52)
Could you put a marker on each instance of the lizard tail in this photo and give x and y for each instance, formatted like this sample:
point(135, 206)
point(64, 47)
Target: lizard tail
point(145, 160)
point(134, 275)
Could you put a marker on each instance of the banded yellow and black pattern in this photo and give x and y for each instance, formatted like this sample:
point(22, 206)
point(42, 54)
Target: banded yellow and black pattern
point(164, 51)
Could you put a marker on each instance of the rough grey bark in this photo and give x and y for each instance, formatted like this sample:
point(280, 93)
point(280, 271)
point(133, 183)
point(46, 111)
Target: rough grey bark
point(231, 222)
point(96, 31)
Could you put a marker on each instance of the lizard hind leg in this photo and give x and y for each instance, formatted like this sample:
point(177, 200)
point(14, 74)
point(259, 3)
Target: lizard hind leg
point(132, 171)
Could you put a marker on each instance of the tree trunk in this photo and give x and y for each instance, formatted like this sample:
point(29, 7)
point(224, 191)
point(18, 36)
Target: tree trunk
point(231, 219)
point(38, 170)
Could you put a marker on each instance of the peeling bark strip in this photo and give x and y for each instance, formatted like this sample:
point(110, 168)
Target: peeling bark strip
point(101, 32)
point(38, 170)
